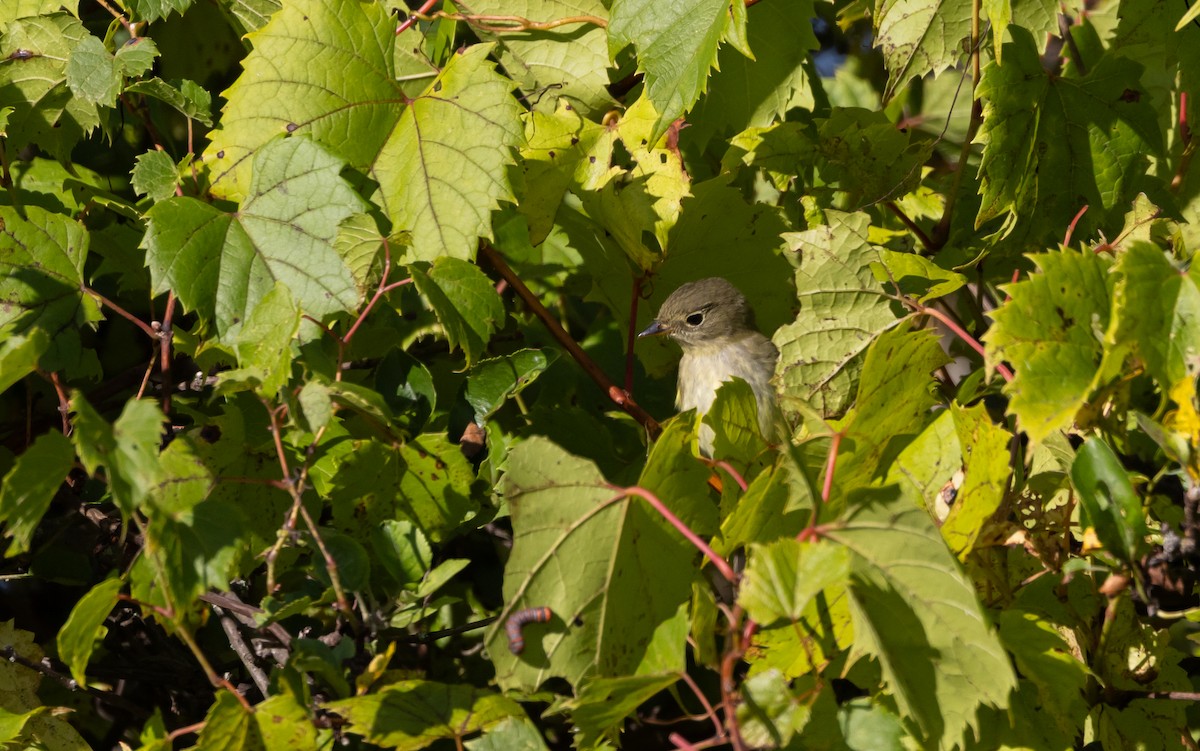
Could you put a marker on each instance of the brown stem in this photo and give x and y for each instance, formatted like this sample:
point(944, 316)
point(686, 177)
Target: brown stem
point(622, 397)
point(166, 335)
point(64, 401)
point(912, 226)
point(240, 648)
point(145, 327)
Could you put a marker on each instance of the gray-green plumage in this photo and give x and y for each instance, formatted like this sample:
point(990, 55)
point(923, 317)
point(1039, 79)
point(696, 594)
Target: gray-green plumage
point(714, 325)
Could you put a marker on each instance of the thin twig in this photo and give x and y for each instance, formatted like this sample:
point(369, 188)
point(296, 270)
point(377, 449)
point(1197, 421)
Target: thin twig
point(240, 648)
point(620, 396)
point(704, 702)
point(145, 327)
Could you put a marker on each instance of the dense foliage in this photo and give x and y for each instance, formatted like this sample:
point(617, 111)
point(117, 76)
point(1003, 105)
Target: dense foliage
point(322, 419)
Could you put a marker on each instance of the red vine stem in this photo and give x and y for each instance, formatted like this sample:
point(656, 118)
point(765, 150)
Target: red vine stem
point(830, 466)
point(708, 707)
point(413, 17)
point(145, 327)
point(382, 290)
point(961, 333)
point(737, 477)
point(721, 564)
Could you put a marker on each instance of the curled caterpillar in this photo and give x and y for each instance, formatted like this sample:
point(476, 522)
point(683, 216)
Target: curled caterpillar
point(517, 621)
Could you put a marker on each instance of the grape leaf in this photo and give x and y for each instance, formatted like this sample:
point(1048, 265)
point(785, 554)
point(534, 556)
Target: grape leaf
point(35, 84)
point(411, 715)
point(917, 614)
point(1156, 307)
point(30, 485)
point(326, 68)
point(1085, 140)
point(1051, 330)
point(41, 273)
point(222, 264)
point(842, 311)
point(918, 37)
point(676, 45)
point(464, 300)
point(569, 61)
point(85, 625)
point(583, 551)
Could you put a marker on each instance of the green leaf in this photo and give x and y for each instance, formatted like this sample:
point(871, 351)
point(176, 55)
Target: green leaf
point(127, 449)
point(464, 300)
point(19, 355)
point(784, 577)
point(1051, 330)
point(510, 734)
point(917, 614)
point(769, 714)
point(410, 715)
point(916, 276)
point(986, 455)
point(192, 540)
point(92, 73)
point(583, 551)
point(1045, 658)
point(155, 176)
point(41, 272)
point(570, 61)
point(561, 150)
point(30, 485)
point(747, 91)
point(893, 402)
point(264, 345)
point(221, 265)
point(842, 311)
point(601, 705)
point(1052, 144)
point(45, 112)
point(493, 381)
point(1156, 307)
point(866, 156)
point(1108, 502)
point(184, 96)
point(427, 480)
point(85, 625)
point(402, 550)
point(676, 47)
point(918, 38)
point(733, 418)
point(153, 10)
point(136, 57)
point(326, 68)
point(771, 508)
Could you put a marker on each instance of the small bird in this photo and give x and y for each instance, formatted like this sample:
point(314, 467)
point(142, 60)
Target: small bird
point(714, 325)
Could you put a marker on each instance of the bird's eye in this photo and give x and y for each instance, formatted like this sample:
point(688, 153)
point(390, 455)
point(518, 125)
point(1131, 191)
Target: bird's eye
point(695, 319)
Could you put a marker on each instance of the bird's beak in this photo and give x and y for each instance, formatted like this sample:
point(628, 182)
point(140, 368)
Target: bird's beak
point(654, 329)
